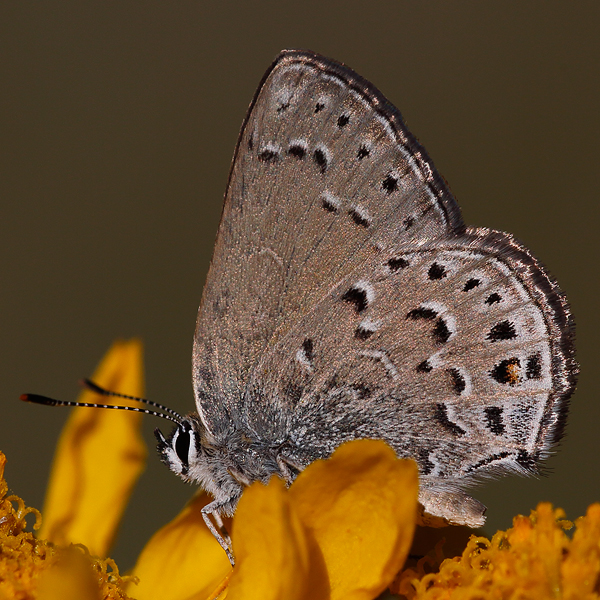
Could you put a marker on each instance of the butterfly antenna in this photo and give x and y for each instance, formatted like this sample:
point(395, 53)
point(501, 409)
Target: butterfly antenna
point(172, 416)
point(94, 387)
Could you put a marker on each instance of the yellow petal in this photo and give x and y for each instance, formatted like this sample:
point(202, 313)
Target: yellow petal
point(99, 457)
point(181, 560)
point(71, 578)
point(276, 557)
point(361, 507)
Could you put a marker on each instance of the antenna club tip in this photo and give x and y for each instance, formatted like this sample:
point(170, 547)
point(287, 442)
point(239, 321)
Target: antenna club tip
point(24, 397)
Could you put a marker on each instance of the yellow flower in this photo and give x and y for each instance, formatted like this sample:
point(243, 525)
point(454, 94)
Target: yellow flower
point(98, 460)
point(32, 568)
point(534, 559)
point(342, 530)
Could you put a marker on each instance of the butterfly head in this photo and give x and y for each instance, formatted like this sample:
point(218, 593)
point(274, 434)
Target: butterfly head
point(182, 450)
point(191, 452)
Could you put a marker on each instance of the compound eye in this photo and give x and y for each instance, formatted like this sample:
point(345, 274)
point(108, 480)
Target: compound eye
point(182, 445)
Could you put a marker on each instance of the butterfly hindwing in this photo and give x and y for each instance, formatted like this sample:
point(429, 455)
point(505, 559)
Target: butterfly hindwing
point(458, 354)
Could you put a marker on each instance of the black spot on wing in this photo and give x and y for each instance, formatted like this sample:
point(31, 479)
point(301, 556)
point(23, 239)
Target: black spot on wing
point(471, 284)
point(319, 106)
point(356, 296)
point(363, 152)
point(441, 332)
point(390, 184)
point(533, 368)
point(320, 159)
point(507, 371)
point(297, 150)
point(441, 416)
point(494, 422)
point(458, 381)
point(395, 264)
point(504, 330)
point(308, 349)
point(363, 333)
point(424, 367)
point(422, 313)
point(359, 218)
point(268, 155)
point(343, 120)
point(436, 271)
point(408, 223)
point(493, 299)
point(328, 204)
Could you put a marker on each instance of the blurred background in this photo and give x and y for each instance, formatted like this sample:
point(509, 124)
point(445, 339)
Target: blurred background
point(118, 121)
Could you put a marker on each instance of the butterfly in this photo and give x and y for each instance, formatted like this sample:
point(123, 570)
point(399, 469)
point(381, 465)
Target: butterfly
point(347, 299)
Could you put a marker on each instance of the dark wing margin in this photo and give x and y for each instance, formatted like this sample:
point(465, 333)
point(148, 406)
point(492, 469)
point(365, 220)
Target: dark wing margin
point(559, 320)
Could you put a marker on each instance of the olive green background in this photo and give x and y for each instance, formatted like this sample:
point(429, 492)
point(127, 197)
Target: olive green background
point(118, 123)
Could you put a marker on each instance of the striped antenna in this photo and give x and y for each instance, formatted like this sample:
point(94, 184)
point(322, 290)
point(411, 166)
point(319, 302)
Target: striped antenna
point(171, 414)
point(94, 387)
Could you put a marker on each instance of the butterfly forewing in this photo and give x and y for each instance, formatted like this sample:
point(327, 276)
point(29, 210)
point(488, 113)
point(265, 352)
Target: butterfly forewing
point(325, 175)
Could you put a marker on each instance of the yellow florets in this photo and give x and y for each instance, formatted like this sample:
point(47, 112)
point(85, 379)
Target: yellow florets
point(533, 559)
point(32, 568)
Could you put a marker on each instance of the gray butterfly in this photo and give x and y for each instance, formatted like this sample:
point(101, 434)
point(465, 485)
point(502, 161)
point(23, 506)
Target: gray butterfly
point(346, 299)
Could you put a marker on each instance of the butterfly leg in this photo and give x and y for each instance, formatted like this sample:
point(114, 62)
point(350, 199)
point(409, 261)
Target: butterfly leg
point(239, 477)
point(222, 529)
point(288, 469)
point(219, 532)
